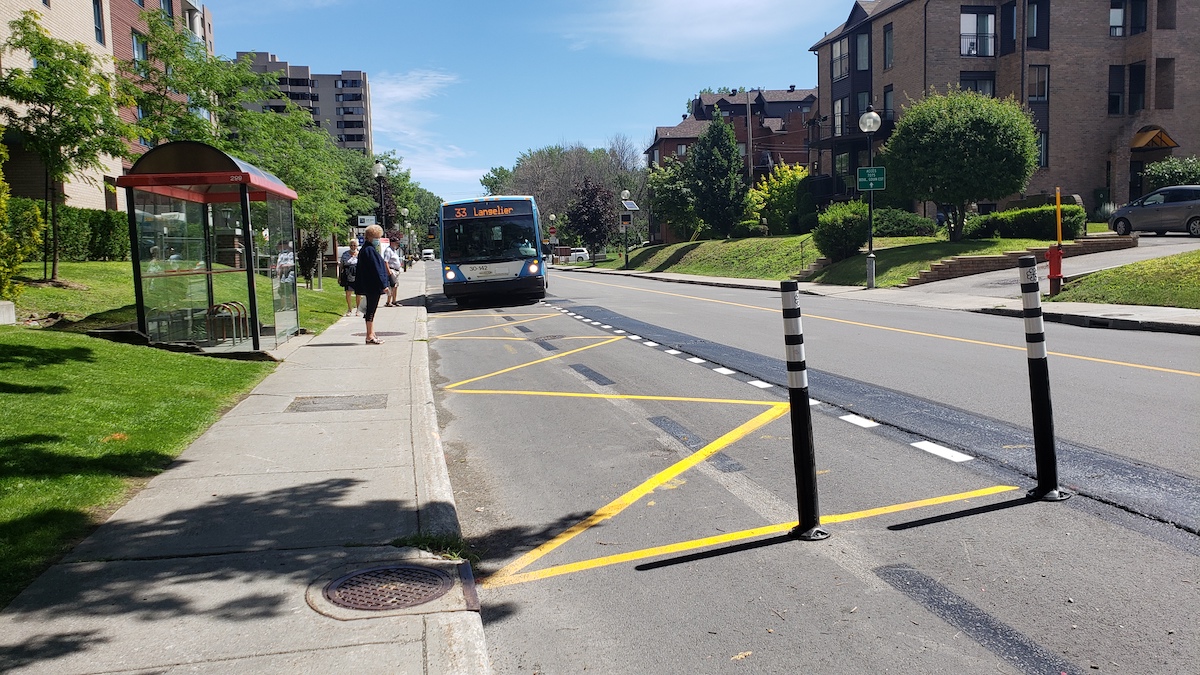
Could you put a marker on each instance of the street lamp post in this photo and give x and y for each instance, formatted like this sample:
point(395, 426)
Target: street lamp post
point(553, 237)
point(380, 173)
point(626, 222)
point(404, 215)
point(869, 123)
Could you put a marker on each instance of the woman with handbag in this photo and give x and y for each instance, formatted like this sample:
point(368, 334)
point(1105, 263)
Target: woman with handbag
point(347, 269)
point(371, 279)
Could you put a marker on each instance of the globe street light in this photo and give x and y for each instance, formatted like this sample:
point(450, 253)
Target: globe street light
point(380, 172)
point(869, 123)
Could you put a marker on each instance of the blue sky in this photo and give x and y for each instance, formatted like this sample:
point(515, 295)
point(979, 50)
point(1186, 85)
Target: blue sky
point(460, 86)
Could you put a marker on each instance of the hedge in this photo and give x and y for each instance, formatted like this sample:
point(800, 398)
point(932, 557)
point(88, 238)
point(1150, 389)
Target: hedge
point(83, 234)
point(1035, 223)
point(842, 229)
point(898, 223)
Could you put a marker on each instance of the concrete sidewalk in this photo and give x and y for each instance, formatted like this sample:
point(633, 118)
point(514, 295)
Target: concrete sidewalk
point(243, 556)
point(990, 293)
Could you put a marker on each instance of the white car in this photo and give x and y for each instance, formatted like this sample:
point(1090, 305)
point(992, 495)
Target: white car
point(579, 255)
point(427, 254)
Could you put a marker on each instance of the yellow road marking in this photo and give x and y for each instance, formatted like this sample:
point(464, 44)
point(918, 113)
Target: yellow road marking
point(531, 363)
point(905, 331)
point(496, 325)
point(526, 339)
point(630, 397)
point(501, 578)
point(623, 502)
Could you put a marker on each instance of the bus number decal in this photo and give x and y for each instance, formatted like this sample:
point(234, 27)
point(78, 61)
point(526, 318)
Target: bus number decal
point(460, 212)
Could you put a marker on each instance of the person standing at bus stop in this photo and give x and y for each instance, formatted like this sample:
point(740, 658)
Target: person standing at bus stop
point(372, 279)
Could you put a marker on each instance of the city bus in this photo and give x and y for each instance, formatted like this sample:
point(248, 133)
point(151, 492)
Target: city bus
point(492, 246)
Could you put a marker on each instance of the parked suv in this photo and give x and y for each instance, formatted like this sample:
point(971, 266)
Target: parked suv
point(1169, 209)
point(579, 255)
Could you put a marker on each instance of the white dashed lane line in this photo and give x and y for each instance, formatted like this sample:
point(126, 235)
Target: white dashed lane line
point(696, 359)
point(859, 421)
point(944, 453)
point(760, 384)
point(723, 370)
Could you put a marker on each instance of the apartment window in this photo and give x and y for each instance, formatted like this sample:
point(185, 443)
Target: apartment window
point(862, 51)
point(347, 84)
point(888, 47)
point(1039, 83)
point(863, 100)
point(316, 96)
point(1137, 16)
point(1116, 90)
point(315, 111)
point(1164, 84)
point(168, 7)
point(1037, 24)
point(1043, 143)
point(139, 47)
point(351, 124)
point(1166, 15)
point(680, 150)
point(889, 100)
point(839, 115)
point(98, 18)
point(347, 97)
point(839, 64)
point(983, 82)
point(1116, 18)
point(977, 28)
point(741, 149)
point(140, 3)
point(841, 165)
point(1137, 87)
point(654, 159)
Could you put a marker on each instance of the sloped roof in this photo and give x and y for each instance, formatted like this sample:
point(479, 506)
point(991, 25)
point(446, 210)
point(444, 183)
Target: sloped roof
point(773, 123)
point(783, 95)
point(861, 11)
point(688, 128)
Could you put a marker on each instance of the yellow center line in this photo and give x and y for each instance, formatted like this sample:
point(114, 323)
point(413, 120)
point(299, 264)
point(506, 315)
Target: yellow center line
point(619, 504)
point(905, 331)
point(532, 363)
point(627, 397)
point(493, 326)
point(502, 578)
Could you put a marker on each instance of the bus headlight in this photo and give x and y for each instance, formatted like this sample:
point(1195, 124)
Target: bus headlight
point(533, 267)
point(449, 275)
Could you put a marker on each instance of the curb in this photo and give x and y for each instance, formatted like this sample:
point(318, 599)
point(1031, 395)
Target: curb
point(1099, 321)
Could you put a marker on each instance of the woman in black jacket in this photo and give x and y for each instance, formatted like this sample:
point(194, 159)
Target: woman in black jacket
point(372, 279)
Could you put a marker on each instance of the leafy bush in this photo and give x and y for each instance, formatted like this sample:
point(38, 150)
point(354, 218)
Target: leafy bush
point(1104, 211)
point(842, 230)
point(806, 208)
point(1036, 223)
point(898, 223)
point(750, 228)
point(1172, 171)
point(84, 234)
point(108, 235)
point(20, 238)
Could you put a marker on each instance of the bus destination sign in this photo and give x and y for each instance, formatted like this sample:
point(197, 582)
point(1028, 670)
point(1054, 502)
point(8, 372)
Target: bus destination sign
point(487, 209)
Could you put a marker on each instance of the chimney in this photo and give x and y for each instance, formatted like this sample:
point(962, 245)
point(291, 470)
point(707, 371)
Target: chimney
point(685, 117)
point(791, 87)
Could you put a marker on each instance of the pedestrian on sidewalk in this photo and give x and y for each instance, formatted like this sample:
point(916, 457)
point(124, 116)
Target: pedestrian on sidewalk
point(391, 258)
point(347, 270)
point(372, 279)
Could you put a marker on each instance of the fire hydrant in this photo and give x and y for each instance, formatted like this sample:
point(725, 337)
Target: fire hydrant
point(1054, 256)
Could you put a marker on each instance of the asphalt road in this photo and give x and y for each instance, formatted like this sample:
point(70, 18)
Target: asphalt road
point(632, 504)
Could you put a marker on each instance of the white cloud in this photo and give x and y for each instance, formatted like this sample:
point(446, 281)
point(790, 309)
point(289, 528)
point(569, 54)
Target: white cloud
point(401, 120)
point(702, 30)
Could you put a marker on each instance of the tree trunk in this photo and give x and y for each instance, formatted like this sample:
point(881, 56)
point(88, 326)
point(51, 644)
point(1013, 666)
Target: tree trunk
point(54, 232)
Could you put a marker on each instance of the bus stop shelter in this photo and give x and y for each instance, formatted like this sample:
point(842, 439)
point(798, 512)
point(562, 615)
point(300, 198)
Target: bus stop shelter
point(212, 242)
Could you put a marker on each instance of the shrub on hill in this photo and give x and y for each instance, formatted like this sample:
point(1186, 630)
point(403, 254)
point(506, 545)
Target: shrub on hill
point(898, 223)
point(841, 230)
point(1035, 223)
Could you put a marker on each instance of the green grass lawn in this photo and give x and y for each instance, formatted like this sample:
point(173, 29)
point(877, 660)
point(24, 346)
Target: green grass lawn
point(1173, 281)
point(894, 264)
point(82, 422)
point(757, 258)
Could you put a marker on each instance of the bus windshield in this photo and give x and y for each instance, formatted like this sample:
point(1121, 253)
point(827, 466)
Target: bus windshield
point(479, 240)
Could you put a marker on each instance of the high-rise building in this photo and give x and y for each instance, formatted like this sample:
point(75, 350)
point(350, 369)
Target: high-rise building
point(340, 102)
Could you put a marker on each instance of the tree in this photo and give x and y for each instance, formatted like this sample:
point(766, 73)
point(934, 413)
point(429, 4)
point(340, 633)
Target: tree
point(496, 180)
point(20, 236)
point(592, 215)
point(714, 169)
point(671, 198)
point(1172, 171)
point(961, 147)
point(776, 194)
point(68, 107)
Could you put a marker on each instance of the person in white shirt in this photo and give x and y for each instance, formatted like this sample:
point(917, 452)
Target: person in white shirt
point(391, 258)
point(347, 268)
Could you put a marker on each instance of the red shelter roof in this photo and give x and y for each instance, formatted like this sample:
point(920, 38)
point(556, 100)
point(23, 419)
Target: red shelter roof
point(197, 172)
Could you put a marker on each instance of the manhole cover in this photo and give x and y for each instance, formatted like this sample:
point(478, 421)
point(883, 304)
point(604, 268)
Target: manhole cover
point(324, 403)
point(390, 587)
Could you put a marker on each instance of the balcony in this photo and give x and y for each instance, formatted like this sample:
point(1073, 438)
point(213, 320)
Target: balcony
point(977, 44)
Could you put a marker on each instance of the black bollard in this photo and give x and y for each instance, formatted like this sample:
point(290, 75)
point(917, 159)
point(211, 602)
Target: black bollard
point(1039, 385)
point(803, 456)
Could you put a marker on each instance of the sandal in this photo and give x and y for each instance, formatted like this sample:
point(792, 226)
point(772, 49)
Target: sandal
point(374, 341)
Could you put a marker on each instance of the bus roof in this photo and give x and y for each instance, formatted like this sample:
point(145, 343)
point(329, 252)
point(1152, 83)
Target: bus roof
point(490, 198)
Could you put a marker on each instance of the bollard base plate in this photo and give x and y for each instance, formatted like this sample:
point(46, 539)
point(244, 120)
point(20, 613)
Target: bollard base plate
point(812, 534)
point(1055, 495)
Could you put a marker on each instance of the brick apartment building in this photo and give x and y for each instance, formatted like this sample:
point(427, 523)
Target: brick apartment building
point(1106, 81)
point(340, 102)
point(771, 126)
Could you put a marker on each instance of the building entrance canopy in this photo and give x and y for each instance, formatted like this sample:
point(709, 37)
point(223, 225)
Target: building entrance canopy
point(212, 242)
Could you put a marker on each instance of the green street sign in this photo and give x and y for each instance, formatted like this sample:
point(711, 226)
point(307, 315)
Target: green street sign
point(871, 178)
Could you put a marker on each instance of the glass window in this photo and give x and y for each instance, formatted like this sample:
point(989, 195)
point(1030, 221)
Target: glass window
point(741, 149)
point(864, 100)
point(862, 51)
point(140, 3)
point(1043, 143)
point(839, 66)
point(977, 33)
point(168, 7)
point(681, 150)
point(1039, 83)
point(1037, 24)
point(1166, 14)
point(889, 103)
point(1137, 16)
point(1137, 87)
point(1031, 20)
point(888, 47)
point(839, 116)
point(1116, 90)
point(978, 81)
point(98, 18)
point(1116, 18)
point(139, 47)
